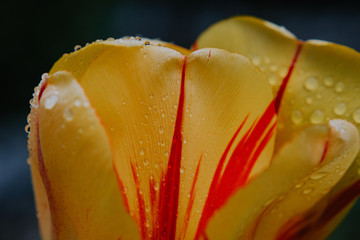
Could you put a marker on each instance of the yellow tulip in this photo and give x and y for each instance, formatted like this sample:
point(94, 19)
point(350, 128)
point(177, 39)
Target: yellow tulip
point(141, 139)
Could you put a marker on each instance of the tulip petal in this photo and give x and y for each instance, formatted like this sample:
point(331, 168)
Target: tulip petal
point(259, 210)
point(72, 167)
point(177, 122)
point(270, 47)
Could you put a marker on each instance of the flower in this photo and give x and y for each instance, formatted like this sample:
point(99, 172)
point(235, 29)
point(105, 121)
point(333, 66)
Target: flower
point(141, 139)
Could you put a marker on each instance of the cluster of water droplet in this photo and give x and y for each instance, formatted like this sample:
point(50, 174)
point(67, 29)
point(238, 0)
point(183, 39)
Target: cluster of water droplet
point(339, 109)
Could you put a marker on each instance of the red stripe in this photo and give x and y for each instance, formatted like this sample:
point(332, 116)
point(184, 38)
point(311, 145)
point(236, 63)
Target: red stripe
point(141, 204)
point(122, 189)
point(169, 191)
point(191, 200)
point(285, 81)
point(237, 171)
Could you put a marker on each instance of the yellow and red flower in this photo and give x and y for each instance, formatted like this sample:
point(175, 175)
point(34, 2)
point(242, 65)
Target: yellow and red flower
point(141, 139)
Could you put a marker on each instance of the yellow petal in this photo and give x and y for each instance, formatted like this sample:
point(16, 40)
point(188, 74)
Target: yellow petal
point(71, 162)
point(289, 188)
point(270, 47)
point(175, 122)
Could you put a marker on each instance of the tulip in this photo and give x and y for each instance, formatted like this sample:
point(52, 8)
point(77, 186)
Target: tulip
point(142, 139)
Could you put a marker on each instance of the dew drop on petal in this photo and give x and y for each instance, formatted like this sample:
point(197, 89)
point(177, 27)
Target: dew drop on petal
point(317, 117)
point(309, 100)
point(256, 60)
point(299, 185)
point(339, 87)
point(329, 81)
point(68, 114)
point(272, 80)
point(161, 130)
point(142, 151)
point(307, 190)
point(311, 84)
point(356, 116)
point(50, 102)
point(340, 108)
point(156, 186)
point(318, 175)
point(296, 116)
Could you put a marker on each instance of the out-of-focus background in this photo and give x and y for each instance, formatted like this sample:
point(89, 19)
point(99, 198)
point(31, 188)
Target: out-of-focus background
point(34, 34)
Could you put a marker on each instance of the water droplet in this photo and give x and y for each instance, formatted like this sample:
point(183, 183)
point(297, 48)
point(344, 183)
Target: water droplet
point(340, 108)
point(273, 68)
point(123, 102)
point(50, 101)
point(272, 80)
point(44, 76)
point(138, 38)
point(283, 72)
point(307, 190)
point(77, 103)
point(356, 116)
point(311, 84)
point(147, 42)
point(156, 186)
point(161, 130)
point(142, 151)
point(68, 114)
point(166, 154)
point(299, 185)
point(146, 162)
point(181, 170)
point(185, 141)
point(317, 117)
point(256, 60)
point(318, 175)
point(309, 100)
point(147, 208)
point(77, 47)
point(163, 114)
point(329, 81)
point(27, 128)
point(339, 87)
point(296, 116)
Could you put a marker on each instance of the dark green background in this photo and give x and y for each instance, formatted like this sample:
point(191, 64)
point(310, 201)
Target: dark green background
point(34, 34)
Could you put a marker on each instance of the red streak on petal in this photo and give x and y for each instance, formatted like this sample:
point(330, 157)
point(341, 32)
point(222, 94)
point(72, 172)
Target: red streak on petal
point(122, 189)
point(141, 204)
point(285, 81)
point(42, 88)
point(192, 198)
point(169, 191)
point(227, 180)
point(209, 56)
point(299, 226)
point(325, 151)
point(45, 179)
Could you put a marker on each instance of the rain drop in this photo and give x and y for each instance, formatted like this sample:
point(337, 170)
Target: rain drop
point(329, 81)
point(339, 87)
point(311, 84)
point(77, 47)
point(166, 154)
point(50, 101)
point(147, 42)
point(318, 175)
point(181, 170)
point(256, 60)
point(272, 80)
point(273, 68)
point(156, 186)
point(307, 190)
point(142, 151)
point(356, 116)
point(317, 117)
point(309, 100)
point(68, 114)
point(299, 185)
point(27, 128)
point(340, 108)
point(146, 162)
point(296, 116)
point(163, 114)
point(161, 130)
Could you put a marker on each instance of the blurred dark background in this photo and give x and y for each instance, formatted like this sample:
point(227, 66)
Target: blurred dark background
point(34, 34)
